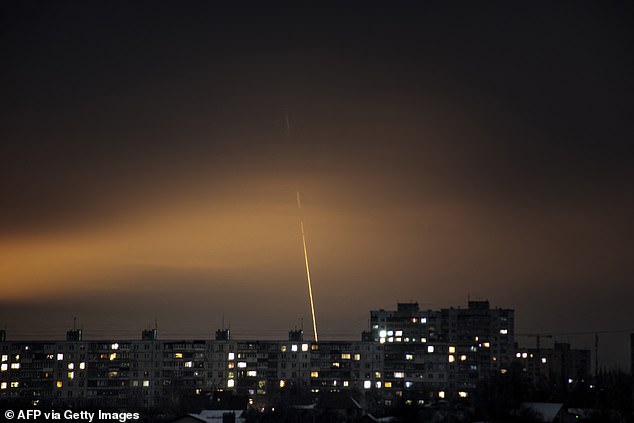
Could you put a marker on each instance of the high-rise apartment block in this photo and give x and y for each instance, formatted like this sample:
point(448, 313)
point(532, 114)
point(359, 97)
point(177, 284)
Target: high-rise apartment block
point(431, 354)
point(411, 355)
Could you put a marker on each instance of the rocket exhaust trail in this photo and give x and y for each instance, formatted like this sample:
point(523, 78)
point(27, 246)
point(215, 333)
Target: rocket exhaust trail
point(301, 226)
point(310, 288)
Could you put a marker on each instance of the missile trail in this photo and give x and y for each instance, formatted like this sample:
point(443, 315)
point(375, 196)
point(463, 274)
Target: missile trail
point(301, 226)
point(310, 288)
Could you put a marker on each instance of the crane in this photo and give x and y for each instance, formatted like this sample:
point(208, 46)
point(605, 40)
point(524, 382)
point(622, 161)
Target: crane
point(537, 336)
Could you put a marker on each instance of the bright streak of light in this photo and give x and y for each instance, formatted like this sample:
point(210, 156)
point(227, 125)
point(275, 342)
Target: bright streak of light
point(310, 288)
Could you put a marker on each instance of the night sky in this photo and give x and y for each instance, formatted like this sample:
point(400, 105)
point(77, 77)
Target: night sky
point(442, 151)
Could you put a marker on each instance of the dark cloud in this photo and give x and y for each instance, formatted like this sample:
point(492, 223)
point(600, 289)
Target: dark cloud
point(441, 151)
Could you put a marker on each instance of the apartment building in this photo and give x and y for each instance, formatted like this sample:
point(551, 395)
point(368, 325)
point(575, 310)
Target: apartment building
point(411, 355)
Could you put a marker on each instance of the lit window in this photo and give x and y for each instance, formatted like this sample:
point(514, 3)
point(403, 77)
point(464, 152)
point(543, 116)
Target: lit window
point(230, 365)
point(335, 364)
point(3, 367)
point(463, 394)
point(377, 375)
point(452, 350)
point(423, 320)
point(294, 348)
point(477, 338)
point(388, 384)
point(367, 384)
point(59, 384)
point(399, 333)
point(146, 383)
point(15, 365)
point(178, 355)
point(383, 333)
point(15, 384)
point(390, 333)
point(114, 346)
point(544, 360)
point(113, 356)
point(382, 340)
point(283, 348)
point(503, 371)
point(345, 356)
point(378, 385)
point(282, 383)
point(390, 339)
point(524, 355)
point(17, 356)
point(399, 375)
point(441, 394)
point(3, 385)
point(486, 345)
point(408, 384)
point(314, 347)
point(314, 374)
point(452, 358)
point(430, 349)
point(82, 365)
point(304, 347)
point(463, 357)
point(189, 364)
point(346, 383)
point(423, 340)
point(399, 339)
point(414, 320)
point(242, 364)
point(231, 356)
point(252, 373)
point(409, 356)
point(518, 355)
point(570, 380)
point(357, 357)
point(71, 366)
point(504, 331)
point(71, 375)
point(5, 357)
point(60, 357)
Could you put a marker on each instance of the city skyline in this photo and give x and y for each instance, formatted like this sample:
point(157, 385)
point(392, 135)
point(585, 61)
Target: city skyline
point(441, 153)
point(421, 357)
